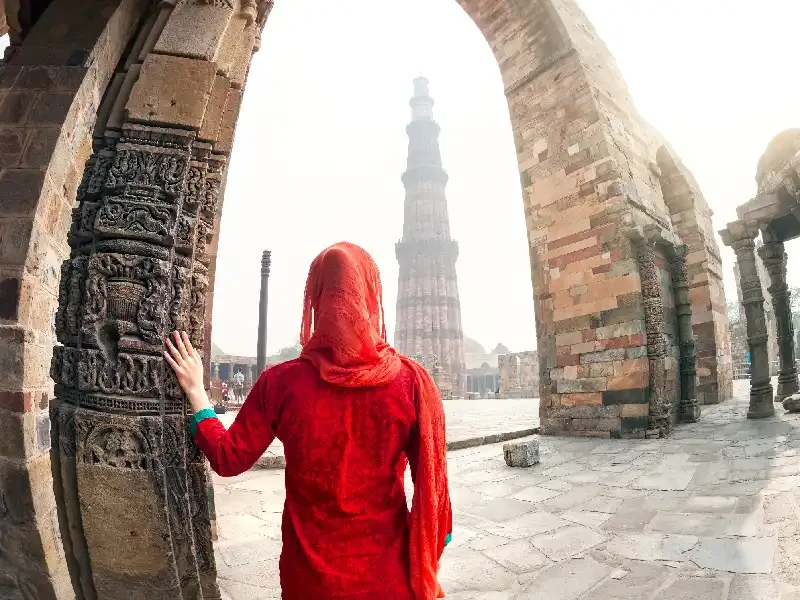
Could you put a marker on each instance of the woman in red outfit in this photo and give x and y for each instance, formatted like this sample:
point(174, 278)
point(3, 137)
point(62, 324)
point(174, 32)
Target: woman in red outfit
point(351, 413)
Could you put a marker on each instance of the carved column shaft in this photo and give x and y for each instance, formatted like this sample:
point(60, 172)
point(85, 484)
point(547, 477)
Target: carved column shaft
point(137, 513)
point(761, 404)
point(773, 255)
point(660, 418)
point(689, 407)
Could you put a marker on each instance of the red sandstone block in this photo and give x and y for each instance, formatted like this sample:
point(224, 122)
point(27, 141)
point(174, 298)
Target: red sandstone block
point(563, 350)
point(572, 257)
point(631, 365)
point(601, 269)
point(629, 381)
point(567, 339)
point(585, 347)
point(577, 237)
point(568, 360)
point(16, 401)
point(626, 341)
point(589, 399)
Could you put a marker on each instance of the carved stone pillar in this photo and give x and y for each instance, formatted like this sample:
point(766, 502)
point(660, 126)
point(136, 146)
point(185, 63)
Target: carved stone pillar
point(135, 499)
point(740, 238)
point(660, 417)
point(774, 258)
point(689, 407)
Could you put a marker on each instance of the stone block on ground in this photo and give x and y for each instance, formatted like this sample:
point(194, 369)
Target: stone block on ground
point(792, 403)
point(521, 454)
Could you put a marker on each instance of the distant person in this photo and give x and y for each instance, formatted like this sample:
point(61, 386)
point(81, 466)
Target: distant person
point(238, 386)
point(351, 413)
point(225, 392)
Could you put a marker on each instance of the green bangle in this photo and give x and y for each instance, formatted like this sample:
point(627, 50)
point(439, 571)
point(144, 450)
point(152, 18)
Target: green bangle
point(200, 415)
point(448, 539)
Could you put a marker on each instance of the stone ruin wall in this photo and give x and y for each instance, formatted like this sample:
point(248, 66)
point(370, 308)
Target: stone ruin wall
point(518, 375)
point(592, 183)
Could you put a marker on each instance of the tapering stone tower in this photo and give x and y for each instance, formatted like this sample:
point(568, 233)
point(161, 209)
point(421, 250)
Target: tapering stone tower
point(428, 308)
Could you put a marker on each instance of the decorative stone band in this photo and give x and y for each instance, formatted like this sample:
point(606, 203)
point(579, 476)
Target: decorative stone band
point(424, 173)
point(407, 250)
point(415, 301)
point(430, 333)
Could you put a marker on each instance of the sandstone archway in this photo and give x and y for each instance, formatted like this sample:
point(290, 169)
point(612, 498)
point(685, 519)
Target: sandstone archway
point(129, 107)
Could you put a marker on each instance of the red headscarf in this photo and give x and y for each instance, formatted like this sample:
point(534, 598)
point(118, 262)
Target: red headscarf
point(344, 336)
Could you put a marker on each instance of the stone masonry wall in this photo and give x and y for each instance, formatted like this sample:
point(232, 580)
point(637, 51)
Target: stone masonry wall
point(588, 170)
point(691, 217)
point(518, 375)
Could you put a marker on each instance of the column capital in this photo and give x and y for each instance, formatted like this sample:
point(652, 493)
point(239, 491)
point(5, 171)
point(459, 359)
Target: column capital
point(738, 233)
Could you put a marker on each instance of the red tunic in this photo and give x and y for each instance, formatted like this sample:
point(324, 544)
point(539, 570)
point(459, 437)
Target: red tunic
point(345, 521)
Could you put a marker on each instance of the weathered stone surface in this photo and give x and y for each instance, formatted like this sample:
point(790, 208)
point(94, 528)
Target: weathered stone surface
point(753, 555)
point(195, 30)
point(171, 90)
point(792, 403)
point(521, 454)
point(568, 580)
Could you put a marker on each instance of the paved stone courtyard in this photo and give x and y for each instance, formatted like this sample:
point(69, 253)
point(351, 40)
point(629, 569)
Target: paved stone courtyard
point(466, 419)
point(709, 514)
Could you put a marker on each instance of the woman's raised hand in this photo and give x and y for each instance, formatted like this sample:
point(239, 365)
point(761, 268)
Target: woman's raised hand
point(188, 366)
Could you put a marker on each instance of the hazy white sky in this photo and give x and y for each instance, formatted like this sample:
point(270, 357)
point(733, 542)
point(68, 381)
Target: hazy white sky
point(321, 141)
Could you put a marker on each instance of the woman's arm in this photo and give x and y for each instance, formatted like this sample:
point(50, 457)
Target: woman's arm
point(231, 451)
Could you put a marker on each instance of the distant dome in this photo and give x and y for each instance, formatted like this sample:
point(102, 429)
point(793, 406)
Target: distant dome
point(473, 347)
point(216, 350)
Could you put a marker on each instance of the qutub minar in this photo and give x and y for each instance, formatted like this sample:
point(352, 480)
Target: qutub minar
point(428, 307)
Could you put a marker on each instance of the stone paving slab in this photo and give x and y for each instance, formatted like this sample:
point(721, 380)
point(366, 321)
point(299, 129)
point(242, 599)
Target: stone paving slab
point(713, 513)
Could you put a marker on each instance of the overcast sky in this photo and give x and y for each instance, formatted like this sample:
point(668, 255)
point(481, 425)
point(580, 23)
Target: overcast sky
point(321, 140)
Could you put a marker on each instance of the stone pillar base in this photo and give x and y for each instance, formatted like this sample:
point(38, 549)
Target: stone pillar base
point(787, 385)
point(792, 403)
point(690, 411)
point(761, 402)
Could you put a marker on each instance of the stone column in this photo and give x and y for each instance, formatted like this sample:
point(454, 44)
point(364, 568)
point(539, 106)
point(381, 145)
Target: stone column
point(740, 238)
point(263, 303)
point(660, 414)
point(774, 258)
point(136, 515)
point(689, 407)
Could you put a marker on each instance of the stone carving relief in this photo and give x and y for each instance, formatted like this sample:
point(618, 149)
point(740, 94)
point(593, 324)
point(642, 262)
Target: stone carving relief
point(117, 447)
point(660, 419)
point(141, 250)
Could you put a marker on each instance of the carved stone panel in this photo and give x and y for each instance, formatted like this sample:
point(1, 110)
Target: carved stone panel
point(660, 413)
point(136, 273)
